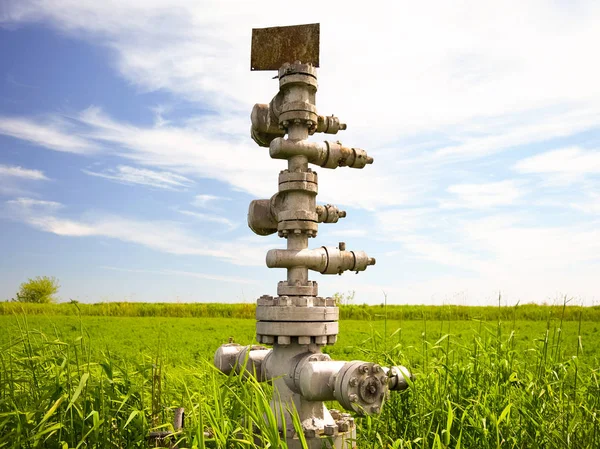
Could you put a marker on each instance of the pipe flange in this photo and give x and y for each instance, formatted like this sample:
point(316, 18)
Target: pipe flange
point(309, 187)
point(297, 225)
point(289, 176)
point(297, 329)
point(297, 214)
point(361, 387)
point(297, 314)
point(311, 289)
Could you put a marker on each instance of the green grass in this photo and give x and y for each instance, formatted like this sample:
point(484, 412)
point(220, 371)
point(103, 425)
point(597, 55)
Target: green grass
point(104, 382)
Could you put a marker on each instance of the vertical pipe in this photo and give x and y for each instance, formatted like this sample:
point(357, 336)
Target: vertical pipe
point(297, 275)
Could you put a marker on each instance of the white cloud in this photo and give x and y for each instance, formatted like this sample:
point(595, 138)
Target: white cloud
point(23, 173)
point(205, 200)
point(13, 177)
point(30, 203)
point(482, 196)
point(210, 218)
point(589, 204)
point(452, 67)
point(164, 236)
point(132, 175)
point(571, 163)
point(49, 135)
point(193, 274)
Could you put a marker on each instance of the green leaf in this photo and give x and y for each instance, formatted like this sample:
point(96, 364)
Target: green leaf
point(51, 411)
point(132, 415)
point(82, 383)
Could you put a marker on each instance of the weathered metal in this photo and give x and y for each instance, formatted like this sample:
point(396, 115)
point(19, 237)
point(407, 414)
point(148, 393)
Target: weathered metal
point(298, 322)
point(273, 47)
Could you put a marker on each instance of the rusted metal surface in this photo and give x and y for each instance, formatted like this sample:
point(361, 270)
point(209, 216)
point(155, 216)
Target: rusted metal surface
point(273, 47)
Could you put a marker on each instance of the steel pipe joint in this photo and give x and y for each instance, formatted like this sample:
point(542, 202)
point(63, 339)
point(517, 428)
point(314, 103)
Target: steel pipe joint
point(326, 260)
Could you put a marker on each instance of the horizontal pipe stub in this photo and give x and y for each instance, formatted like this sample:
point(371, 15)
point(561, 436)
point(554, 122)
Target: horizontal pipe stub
point(323, 154)
point(326, 260)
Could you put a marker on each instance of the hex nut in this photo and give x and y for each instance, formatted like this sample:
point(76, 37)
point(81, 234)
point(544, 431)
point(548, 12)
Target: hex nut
point(331, 339)
point(343, 426)
point(302, 301)
point(303, 340)
point(353, 397)
point(321, 340)
point(363, 369)
point(376, 369)
point(353, 382)
point(310, 433)
point(335, 414)
point(330, 429)
point(268, 339)
point(284, 340)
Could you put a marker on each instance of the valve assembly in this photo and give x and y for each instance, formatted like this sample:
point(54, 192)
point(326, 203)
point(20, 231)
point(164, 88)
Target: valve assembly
point(297, 322)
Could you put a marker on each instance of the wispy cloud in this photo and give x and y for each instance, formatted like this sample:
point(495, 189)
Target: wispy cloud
point(568, 164)
point(193, 274)
point(131, 175)
point(164, 236)
point(50, 135)
point(210, 218)
point(482, 196)
point(206, 200)
point(22, 173)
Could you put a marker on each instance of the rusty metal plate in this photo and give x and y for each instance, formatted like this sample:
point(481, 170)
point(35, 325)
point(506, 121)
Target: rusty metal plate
point(272, 47)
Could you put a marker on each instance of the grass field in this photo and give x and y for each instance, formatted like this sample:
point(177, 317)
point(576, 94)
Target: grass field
point(106, 381)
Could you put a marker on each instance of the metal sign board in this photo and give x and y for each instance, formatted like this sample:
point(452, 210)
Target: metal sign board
point(273, 47)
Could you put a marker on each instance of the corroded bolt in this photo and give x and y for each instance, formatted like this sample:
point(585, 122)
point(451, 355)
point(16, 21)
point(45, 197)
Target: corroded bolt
point(310, 433)
point(350, 421)
point(268, 339)
point(353, 397)
point(372, 389)
point(376, 369)
point(303, 340)
point(353, 382)
point(335, 414)
point(363, 369)
point(375, 409)
point(343, 426)
point(330, 429)
point(384, 380)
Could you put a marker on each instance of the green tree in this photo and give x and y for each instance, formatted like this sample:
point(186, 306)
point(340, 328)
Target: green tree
point(41, 290)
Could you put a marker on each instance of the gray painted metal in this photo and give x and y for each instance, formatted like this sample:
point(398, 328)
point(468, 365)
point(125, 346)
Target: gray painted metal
point(298, 323)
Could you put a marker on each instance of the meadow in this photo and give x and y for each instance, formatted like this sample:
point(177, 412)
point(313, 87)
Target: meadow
point(83, 376)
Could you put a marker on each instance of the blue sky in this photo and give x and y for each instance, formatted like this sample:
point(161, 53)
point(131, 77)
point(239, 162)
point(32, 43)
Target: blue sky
point(126, 165)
